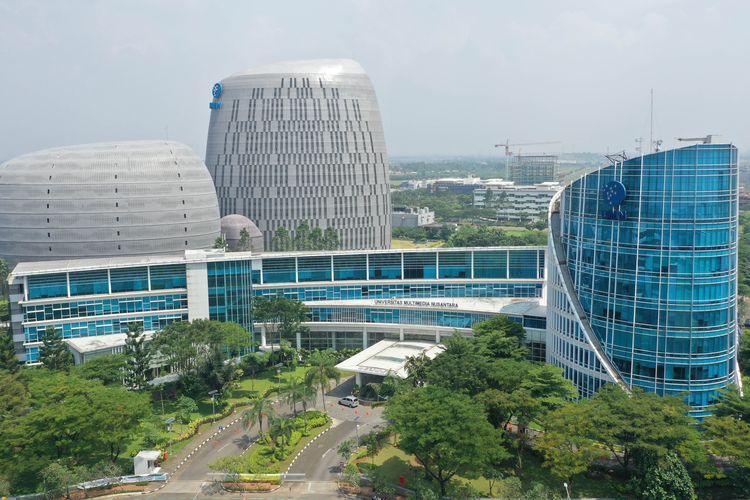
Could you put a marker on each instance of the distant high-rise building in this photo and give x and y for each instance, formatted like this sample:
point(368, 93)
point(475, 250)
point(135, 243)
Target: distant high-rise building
point(302, 142)
point(526, 170)
point(642, 275)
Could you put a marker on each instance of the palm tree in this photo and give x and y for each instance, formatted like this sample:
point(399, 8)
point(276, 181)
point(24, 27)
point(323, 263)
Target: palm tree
point(293, 392)
point(306, 396)
point(282, 429)
point(261, 407)
point(416, 368)
point(321, 372)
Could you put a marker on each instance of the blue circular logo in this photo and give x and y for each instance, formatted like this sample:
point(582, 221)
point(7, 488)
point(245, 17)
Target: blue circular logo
point(217, 90)
point(615, 193)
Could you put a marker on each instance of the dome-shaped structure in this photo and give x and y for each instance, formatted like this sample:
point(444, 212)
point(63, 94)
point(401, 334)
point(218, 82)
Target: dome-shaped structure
point(232, 226)
point(107, 199)
point(301, 142)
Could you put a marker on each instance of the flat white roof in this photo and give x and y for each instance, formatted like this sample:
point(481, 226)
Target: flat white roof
point(149, 454)
point(388, 357)
point(72, 265)
point(83, 345)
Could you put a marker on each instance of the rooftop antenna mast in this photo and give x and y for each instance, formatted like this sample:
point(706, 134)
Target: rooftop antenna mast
point(651, 133)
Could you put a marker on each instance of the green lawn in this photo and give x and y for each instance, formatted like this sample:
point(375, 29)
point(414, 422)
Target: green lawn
point(412, 244)
point(394, 463)
point(258, 385)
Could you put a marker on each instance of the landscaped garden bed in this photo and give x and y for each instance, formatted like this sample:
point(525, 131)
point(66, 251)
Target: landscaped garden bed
point(276, 446)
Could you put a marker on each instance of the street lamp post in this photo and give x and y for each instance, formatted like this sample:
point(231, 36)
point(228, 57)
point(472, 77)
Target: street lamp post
point(567, 491)
point(357, 431)
point(213, 401)
point(278, 375)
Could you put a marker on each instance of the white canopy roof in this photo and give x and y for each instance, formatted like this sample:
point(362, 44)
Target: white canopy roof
point(388, 357)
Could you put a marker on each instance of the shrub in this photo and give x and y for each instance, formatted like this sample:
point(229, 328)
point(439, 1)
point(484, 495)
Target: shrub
point(314, 419)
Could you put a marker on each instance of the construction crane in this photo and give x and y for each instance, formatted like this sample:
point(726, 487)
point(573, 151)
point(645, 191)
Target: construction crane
point(705, 140)
point(507, 145)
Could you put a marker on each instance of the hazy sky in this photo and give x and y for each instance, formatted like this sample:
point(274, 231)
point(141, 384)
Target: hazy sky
point(451, 77)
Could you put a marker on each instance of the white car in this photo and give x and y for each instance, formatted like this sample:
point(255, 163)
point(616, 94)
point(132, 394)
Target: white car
point(349, 401)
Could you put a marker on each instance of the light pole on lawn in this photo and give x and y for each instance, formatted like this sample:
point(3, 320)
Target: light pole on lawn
point(278, 375)
point(213, 401)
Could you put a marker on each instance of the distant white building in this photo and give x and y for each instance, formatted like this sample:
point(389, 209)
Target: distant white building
point(412, 217)
point(516, 202)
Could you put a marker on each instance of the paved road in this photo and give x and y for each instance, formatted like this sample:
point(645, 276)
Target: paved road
point(204, 490)
point(319, 461)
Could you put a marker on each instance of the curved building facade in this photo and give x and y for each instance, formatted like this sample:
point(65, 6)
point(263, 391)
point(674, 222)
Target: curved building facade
point(232, 226)
point(643, 275)
point(298, 142)
point(107, 199)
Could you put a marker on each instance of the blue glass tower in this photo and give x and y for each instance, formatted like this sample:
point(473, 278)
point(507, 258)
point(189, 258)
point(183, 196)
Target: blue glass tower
point(643, 275)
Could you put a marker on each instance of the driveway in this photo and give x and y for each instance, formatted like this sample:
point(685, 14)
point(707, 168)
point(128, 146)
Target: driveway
point(319, 461)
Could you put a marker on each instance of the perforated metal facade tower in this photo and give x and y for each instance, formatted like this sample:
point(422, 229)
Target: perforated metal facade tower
point(103, 200)
point(298, 142)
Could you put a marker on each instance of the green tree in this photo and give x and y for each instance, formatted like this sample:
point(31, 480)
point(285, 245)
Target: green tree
point(4, 272)
point(117, 414)
point(53, 352)
point(306, 396)
point(567, 448)
point(137, 356)
point(110, 370)
point(499, 338)
point(252, 363)
point(291, 314)
point(8, 360)
point(459, 368)
point(285, 314)
point(294, 391)
point(281, 431)
point(330, 239)
point(176, 345)
point(282, 241)
point(665, 479)
point(70, 419)
point(501, 324)
point(316, 239)
point(351, 475)
point(57, 479)
point(346, 449)
point(321, 371)
point(185, 408)
point(217, 373)
point(243, 245)
point(733, 404)
point(444, 430)
point(371, 446)
point(220, 243)
point(259, 408)
point(642, 422)
point(729, 438)
point(14, 398)
point(743, 354)
point(302, 237)
point(416, 369)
